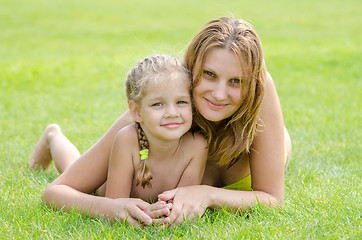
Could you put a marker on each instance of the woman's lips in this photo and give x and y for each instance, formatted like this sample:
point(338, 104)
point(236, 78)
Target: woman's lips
point(215, 105)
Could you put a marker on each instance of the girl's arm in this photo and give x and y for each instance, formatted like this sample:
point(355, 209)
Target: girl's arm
point(66, 198)
point(195, 170)
point(192, 175)
point(120, 177)
point(72, 188)
point(266, 166)
point(121, 168)
point(90, 170)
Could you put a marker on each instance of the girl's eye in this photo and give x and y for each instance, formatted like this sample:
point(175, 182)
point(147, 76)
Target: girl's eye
point(182, 102)
point(208, 73)
point(156, 104)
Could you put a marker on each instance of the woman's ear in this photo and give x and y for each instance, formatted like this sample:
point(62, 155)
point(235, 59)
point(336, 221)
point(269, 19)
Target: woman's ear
point(133, 109)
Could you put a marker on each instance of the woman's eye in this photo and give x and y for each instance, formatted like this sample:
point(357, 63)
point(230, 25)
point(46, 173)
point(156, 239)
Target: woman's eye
point(235, 81)
point(208, 73)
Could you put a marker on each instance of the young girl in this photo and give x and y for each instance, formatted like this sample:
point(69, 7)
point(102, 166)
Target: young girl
point(156, 153)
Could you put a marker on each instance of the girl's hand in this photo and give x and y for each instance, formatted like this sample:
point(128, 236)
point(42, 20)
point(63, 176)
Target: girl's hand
point(188, 202)
point(138, 212)
point(159, 212)
point(131, 210)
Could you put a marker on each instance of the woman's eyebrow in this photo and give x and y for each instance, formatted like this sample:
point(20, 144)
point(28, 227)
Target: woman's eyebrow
point(207, 68)
point(215, 72)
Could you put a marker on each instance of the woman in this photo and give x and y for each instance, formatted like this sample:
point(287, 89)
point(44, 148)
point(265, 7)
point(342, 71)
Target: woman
point(236, 107)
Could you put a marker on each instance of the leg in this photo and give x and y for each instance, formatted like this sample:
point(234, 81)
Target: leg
point(53, 145)
point(288, 144)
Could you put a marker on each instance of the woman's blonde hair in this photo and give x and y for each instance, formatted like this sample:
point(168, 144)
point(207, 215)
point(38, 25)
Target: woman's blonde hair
point(231, 137)
point(151, 70)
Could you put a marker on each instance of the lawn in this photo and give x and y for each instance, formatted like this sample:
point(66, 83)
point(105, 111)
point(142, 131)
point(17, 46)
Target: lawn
point(66, 62)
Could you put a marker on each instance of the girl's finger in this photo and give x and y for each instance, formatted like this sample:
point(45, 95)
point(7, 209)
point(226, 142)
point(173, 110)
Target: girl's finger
point(142, 205)
point(159, 213)
point(133, 222)
point(141, 216)
point(161, 221)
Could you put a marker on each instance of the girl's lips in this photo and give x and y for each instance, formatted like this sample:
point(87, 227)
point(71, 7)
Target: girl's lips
point(171, 125)
point(214, 105)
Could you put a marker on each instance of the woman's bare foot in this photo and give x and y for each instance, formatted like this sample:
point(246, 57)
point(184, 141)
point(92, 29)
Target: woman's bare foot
point(41, 156)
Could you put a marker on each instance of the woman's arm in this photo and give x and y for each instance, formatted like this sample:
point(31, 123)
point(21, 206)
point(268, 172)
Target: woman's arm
point(267, 156)
point(266, 166)
point(192, 201)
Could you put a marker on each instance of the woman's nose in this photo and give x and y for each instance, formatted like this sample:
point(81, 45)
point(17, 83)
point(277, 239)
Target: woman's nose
point(219, 92)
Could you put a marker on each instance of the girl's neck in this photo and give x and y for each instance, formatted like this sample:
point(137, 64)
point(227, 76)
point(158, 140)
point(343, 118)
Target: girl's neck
point(161, 149)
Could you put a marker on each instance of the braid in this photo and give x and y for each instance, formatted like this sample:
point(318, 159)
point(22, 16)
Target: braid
point(144, 175)
point(142, 139)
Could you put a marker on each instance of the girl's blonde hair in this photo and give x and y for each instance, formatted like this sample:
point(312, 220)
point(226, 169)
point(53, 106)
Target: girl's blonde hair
point(232, 137)
point(151, 70)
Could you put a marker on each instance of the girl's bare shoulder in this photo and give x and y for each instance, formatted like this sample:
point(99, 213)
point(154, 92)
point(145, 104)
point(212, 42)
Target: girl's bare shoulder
point(126, 142)
point(194, 140)
point(127, 134)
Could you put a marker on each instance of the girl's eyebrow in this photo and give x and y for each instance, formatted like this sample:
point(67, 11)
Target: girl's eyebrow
point(184, 96)
point(155, 98)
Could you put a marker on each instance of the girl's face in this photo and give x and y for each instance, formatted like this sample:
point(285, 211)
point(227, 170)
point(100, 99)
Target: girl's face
point(218, 94)
point(165, 109)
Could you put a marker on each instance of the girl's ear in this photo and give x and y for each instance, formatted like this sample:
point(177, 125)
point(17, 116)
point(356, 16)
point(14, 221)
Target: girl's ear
point(133, 109)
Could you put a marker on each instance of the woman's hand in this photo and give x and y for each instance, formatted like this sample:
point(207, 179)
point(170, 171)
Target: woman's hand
point(187, 202)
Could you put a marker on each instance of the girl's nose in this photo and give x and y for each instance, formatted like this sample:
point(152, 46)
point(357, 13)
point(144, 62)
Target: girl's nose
point(171, 111)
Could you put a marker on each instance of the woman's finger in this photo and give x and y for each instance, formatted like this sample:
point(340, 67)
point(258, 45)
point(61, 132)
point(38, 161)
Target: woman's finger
point(168, 195)
point(175, 212)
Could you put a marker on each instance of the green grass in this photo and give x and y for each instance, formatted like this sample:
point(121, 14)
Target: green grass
point(66, 62)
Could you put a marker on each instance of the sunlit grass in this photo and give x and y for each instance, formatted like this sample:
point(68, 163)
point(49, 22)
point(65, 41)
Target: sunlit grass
point(66, 62)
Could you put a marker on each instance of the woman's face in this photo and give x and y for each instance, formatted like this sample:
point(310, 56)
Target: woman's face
point(218, 94)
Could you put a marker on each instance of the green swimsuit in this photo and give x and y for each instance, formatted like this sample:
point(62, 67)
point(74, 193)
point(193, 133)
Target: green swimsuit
point(245, 183)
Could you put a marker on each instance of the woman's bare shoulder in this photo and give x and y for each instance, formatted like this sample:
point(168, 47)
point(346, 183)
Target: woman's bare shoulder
point(269, 83)
point(270, 105)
